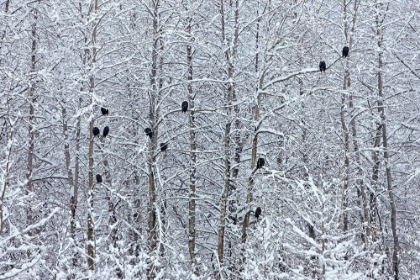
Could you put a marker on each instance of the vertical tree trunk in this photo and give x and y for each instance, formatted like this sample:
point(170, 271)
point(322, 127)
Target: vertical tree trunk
point(346, 153)
point(5, 178)
point(375, 176)
point(111, 208)
point(73, 205)
point(67, 147)
point(153, 143)
point(230, 51)
point(91, 227)
point(362, 189)
point(254, 149)
point(72, 183)
point(31, 132)
point(381, 111)
point(8, 151)
point(345, 129)
point(193, 156)
point(111, 212)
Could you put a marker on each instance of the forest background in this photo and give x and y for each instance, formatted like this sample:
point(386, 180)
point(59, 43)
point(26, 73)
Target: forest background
point(339, 190)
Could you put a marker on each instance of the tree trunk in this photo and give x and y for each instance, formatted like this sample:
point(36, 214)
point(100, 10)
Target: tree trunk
point(72, 183)
point(193, 156)
point(362, 189)
point(31, 132)
point(73, 205)
point(5, 182)
point(346, 134)
point(381, 110)
point(153, 143)
point(90, 232)
point(230, 52)
point(254, 149)
point(8, 151)
point(346, 152)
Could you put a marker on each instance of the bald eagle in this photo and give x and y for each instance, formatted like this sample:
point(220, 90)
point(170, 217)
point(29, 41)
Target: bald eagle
point(346, 51)
point(148, 132)
point(104, 111)
point(95, 131)
point(106, 131)
point(98, 179)
point(163, 147)
point(322, 66)
point(184, 106)
point(257, 212)
point(260, 162)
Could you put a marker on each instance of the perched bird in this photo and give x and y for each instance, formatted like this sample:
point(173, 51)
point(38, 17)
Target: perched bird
point(311, 231)
point(322, 66)
point(98, 179)
point(260, 162)
point(163, 147)
point(184, 106)
point(148, 132)
point(95, 131)
point(106, 131)
point(346, 51)
point(104, 111)
point(257, 212)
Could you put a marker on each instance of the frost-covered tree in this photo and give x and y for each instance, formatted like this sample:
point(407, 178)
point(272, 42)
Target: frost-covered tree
point(337, 190)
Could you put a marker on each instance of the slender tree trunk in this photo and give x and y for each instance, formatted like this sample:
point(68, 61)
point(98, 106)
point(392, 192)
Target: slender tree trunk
point(362, 192)
point(223, 213)
point(254, 149)
point(72, 183)
point(381, 110)
point(346, 154)
point(90, 224)
point(375, 177)
point(8, 152)
point(74, 199)
point(67, 147)
point(111, 212)
point(111, 208)
point(153, 143)
point(346, 134)
point(230, 52)
point(31, 132)
point(193, 156)
point(362, 189)
point(5, 182)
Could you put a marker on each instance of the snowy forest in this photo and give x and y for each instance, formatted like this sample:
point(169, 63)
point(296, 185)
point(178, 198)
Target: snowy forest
point(198, 139)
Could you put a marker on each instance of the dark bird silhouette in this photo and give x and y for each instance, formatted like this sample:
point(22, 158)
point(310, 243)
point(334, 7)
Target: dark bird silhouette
point(346, 51)
point(257, 212)
point(148, 132)
point(184, 106)
point(106, 131)
point(311, 231)
point(98, 179)
point(260, 162)
point(95, 131)
point(163, 147)
point(322, 66)
point(104, 111)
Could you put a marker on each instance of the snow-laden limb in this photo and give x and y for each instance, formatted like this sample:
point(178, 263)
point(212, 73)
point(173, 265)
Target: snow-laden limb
point(15, 272)
point(303, 235)
point(32, 227)
point(289, 76)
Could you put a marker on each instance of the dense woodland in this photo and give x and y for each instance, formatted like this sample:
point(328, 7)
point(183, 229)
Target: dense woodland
point(331, 159)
